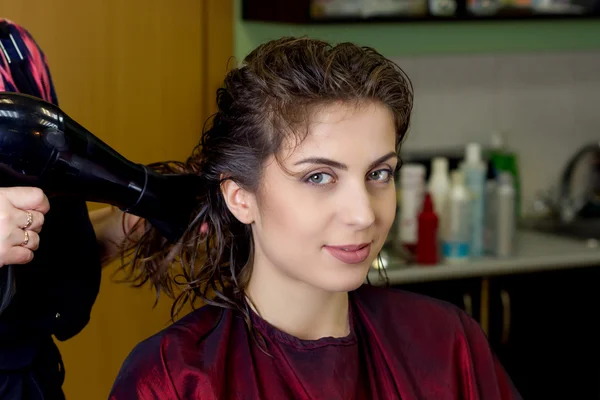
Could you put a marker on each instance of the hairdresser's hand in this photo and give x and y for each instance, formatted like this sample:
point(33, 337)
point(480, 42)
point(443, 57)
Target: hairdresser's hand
point(22, 212)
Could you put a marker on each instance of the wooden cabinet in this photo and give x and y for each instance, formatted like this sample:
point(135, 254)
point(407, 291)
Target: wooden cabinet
point(542, 326)
point(544, 329)
point(463, 293)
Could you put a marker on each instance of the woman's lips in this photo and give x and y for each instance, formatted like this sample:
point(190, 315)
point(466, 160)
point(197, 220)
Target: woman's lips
point(350, 254)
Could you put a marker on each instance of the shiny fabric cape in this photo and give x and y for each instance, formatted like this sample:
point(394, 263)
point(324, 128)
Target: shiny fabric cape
point(401, 346)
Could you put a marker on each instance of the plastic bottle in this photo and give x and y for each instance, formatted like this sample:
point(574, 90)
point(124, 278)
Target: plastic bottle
point(427, 244)
point(456, 227)
point(439, 187)
point(483, 7)
point(503, 160)
point(439, 184)
point(443, 8)
point(475, 171)
point(505, 211)
point(412, 189)
point(491, 216)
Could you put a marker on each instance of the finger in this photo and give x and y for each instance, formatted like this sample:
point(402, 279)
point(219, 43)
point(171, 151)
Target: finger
point(23, 238)
point(18, 255)
point(32, 242)
point(36, 222)
point(26, 198)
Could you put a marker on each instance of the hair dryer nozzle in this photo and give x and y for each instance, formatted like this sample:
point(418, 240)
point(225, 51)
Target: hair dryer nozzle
point(168, 202)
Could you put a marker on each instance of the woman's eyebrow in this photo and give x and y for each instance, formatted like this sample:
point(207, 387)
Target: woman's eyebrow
point(339, 165)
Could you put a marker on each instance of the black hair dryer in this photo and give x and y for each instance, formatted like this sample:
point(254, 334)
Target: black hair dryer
point(41, 146)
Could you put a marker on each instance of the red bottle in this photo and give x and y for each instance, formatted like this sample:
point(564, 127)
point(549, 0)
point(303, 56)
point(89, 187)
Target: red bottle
point(427, 243)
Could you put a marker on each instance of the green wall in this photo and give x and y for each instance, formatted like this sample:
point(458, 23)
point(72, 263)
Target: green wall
point(396, 39)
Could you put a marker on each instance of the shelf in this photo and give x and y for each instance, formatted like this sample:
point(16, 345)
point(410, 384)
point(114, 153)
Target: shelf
point(434, 38)
point(302, 12)
point(435, 19)
point(536, 252)
point(397, 37)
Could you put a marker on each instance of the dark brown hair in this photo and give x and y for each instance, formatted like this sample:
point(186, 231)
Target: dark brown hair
point(270, 96)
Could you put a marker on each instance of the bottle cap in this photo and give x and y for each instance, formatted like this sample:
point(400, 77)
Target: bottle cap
point(427, 204)
point(412, 171)
point(473, 153)
point(505, 178)
point(439, 165)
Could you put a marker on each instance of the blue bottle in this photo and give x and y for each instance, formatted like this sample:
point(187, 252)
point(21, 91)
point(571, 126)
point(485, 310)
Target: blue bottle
point(475, 172)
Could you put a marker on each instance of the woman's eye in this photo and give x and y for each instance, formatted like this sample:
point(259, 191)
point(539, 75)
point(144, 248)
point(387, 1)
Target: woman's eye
point(320, 178)
point(382, 175)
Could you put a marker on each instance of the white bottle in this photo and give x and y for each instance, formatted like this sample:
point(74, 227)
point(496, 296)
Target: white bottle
point(456, 235)
point(439, 184)
point(505, 202)
point(442, 8)
point(491, 218)
point(475, 171)
point(412, 188)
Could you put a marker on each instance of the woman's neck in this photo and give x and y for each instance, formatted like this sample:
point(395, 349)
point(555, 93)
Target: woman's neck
point(297, 308)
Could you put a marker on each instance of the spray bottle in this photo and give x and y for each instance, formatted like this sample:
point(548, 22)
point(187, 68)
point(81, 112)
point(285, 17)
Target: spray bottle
point(427, 244)
point(475, 171)
point(455, 236)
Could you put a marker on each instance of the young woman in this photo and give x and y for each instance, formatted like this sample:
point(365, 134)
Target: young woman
point(298, 168)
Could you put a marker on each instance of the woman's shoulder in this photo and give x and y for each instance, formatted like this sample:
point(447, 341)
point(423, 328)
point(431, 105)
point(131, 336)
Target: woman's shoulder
point(192, 328)
point(419, 330)
point(147, 370)
point(396, 304)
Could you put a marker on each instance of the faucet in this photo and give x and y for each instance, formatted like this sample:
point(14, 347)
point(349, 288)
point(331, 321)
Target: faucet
point(569, 206)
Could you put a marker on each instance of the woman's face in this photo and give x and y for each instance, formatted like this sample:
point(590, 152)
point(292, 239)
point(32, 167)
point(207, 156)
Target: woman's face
point(322, 219)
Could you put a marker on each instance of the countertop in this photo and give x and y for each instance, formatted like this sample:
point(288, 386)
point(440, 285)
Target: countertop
point(534, 252)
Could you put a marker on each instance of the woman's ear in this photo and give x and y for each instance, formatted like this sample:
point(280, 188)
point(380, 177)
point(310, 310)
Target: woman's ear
point(238, 200)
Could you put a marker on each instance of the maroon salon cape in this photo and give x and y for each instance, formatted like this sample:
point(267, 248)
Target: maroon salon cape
point(401, 346)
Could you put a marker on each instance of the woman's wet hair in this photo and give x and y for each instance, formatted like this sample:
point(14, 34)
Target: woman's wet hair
point(266, 101)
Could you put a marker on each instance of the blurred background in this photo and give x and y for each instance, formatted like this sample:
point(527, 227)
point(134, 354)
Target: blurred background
point(506, 108)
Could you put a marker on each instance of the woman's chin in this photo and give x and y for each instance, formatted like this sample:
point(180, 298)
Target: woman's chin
point(345, 281)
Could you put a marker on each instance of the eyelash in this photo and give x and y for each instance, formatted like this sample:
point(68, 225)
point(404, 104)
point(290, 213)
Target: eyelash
point(389, 177)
